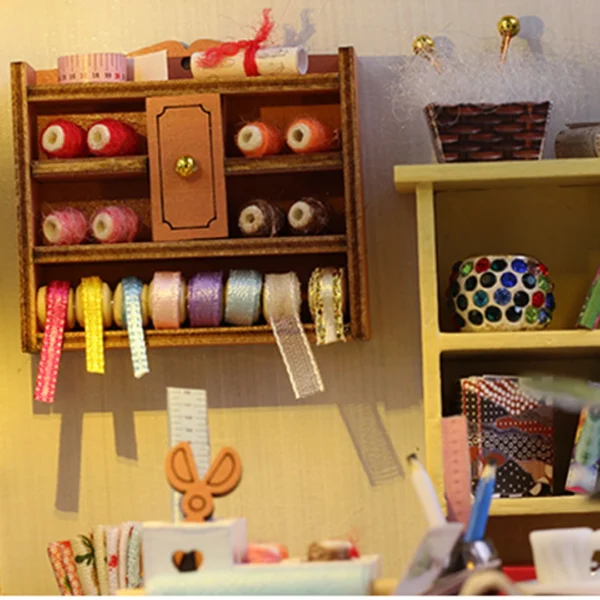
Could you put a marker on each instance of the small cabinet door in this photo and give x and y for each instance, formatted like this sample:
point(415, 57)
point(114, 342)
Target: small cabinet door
point(187, 177)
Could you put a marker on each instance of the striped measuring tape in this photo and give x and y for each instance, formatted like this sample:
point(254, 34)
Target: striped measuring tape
point(100, 67)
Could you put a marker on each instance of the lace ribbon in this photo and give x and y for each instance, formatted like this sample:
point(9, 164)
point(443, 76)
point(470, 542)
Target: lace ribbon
point(91, 291)
point(132, 319)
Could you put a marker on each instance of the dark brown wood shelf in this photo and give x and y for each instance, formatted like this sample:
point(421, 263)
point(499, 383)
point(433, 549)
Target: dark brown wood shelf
point(137, 166)
point(321, 244)
point(139, 90)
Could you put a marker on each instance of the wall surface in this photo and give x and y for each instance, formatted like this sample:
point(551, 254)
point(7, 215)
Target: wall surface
point(97, 455)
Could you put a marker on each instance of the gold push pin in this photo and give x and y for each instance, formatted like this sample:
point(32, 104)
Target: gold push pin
point(423, 45)
point(508, 27)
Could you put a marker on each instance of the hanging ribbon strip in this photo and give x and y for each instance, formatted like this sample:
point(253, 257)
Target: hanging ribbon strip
point(91, 291)
point(132, 319)
point(326, 302)
point(57, 299)
point(282, 301)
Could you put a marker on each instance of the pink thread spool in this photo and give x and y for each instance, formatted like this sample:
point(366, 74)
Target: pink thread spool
point(65, 227)
point(115, 224)
point(110, 137)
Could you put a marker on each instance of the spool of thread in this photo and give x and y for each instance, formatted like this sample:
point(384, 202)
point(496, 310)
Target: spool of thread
point(65, 227)
point(110, 137)
point(243, 294)
point(332, 550)
point(578, 141)
point(118, 308)
point(309, 216)
point(115, 224)
point(41, 309)
point(167, 300)
point(205, 299)
point(307, 135)
point(266, 553)
point(63, 139)
point(261, 218)
point(259, 139)
point(107, 318)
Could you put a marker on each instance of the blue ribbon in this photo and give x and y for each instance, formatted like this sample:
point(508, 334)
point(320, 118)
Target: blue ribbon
point(132, 319)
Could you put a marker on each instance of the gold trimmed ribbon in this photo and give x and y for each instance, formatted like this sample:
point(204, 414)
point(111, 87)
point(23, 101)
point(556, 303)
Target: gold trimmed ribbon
point(282, 301)
point(91, 292)
point(326, 300)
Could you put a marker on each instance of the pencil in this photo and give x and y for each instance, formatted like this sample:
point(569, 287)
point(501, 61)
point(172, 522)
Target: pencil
point(426, 493)
point(481, 507)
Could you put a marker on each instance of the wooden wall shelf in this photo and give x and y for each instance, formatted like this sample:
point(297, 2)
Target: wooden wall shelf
point(548, 209)
point(328, 92)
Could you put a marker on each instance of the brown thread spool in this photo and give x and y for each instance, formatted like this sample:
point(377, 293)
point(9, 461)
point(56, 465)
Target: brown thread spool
point(261, 218)
point(309, 216)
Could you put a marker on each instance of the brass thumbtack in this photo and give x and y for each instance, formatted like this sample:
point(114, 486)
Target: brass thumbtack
point(508, 27)
point(423, 45)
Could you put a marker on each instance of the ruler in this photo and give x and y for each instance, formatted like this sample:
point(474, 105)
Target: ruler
point(187, 411)
point(457, 468)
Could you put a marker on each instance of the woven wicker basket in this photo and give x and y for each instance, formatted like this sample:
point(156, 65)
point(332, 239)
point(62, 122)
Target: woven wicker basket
point(488, 132)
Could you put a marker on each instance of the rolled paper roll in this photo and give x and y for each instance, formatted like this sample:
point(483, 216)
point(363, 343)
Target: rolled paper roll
point(332, 550)
point(269, 61)
point(326, 300)
point(115, 224)
point(243, 297)
point(281, 305)
point(63, 139)
point(261, 218)
point(309, 216)
point(57, 296)
point(106, 305)
point(42, 308)
point(205, 299)
point(307, 135)
point(259, 139)
point(110, 137)
point(65, 227)
point(119, 306)
point(167, 300)
point(132, 311)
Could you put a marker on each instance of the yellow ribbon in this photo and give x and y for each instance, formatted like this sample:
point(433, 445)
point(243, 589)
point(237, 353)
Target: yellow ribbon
point(91, 292)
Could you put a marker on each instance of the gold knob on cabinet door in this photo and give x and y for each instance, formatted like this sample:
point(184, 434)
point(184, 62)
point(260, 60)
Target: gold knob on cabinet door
point(186, 166)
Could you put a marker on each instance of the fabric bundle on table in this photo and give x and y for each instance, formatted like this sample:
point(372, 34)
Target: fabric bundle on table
point(98, 563)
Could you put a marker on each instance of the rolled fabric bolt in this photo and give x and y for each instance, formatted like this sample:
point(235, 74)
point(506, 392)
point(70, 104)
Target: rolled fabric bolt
point(86, 569)
point(58, 568)
point(243, 297)
point(63, 139)
point(261, 218)
point(258, 139)
point(115, 224)
point(100, 556)
point(167, 300)
point(110, 137)
point(266, 553)
point(326, 300)
point(68, 559)
point(205, 299)
point(309, 216)
point(332, 550)
point(65, 227)
point(307, 135)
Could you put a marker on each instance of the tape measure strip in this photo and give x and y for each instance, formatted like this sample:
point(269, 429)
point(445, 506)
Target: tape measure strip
point(86, 68)
point(187, 411)
point(457, 468)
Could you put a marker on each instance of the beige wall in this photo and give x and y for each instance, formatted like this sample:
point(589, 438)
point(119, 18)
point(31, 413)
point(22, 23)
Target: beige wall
point(97, 456)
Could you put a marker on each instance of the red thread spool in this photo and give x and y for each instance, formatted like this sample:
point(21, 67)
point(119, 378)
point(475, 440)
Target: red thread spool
point(63, 139)
point(115, 224)
point(259, 139)
point(65, 227)
point(306, 135)
point(110, 137)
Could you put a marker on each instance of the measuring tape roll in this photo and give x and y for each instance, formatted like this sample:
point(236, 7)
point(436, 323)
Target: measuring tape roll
point(100, 67)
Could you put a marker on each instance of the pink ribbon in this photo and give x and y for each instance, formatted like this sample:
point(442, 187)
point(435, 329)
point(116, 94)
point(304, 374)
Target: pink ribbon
point(165, 300)
point(57, 298)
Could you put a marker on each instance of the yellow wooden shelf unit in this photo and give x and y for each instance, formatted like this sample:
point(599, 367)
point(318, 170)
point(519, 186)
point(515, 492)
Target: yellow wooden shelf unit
point(454, 202)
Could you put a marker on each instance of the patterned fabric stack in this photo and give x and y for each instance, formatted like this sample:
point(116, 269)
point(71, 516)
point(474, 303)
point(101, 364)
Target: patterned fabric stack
point(514, 429)
point(99, 563)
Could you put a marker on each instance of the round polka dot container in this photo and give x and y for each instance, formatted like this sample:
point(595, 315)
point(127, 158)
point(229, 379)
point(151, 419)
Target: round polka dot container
point(501, 293)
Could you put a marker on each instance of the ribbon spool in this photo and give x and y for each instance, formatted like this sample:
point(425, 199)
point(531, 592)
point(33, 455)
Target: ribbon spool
point(63, 139)
point(281, 305)
point(261, 218)
point(118, 304)
point(115, 224)
point(42, 307)
point(65, 227)
point(306, 135)
point(167, 300)
point(205, 299)
point(258, 139)
point(327, 300)
point(243, 297)
point(110, 137)
point(309, 216)
point(106, 304)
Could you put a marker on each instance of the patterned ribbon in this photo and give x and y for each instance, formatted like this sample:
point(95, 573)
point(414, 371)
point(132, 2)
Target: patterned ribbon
point(124, 533)
point(58, 568)
point(112, 557)
point(282, 301)
point(134, 579)
point(57, 299)
point(205, 299)
point(242, 297)
point(83, 550)
point(100, 554)
point(91, 291)
point(326, 303)
point(165, 300)
point(132, 319)
point(68, 559)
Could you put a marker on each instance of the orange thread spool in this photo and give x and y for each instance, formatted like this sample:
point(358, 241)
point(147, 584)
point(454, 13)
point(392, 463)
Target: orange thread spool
point(306, 135)
point(259, 139)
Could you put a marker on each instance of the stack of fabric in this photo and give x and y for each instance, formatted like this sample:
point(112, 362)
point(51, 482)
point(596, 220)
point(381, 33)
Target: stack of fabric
point(100, 562)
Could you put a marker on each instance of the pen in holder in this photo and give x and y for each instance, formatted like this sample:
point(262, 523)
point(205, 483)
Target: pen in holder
point(473, 555)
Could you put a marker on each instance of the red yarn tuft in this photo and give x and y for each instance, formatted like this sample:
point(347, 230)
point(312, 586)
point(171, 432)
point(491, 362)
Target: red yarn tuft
point(215, 56)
